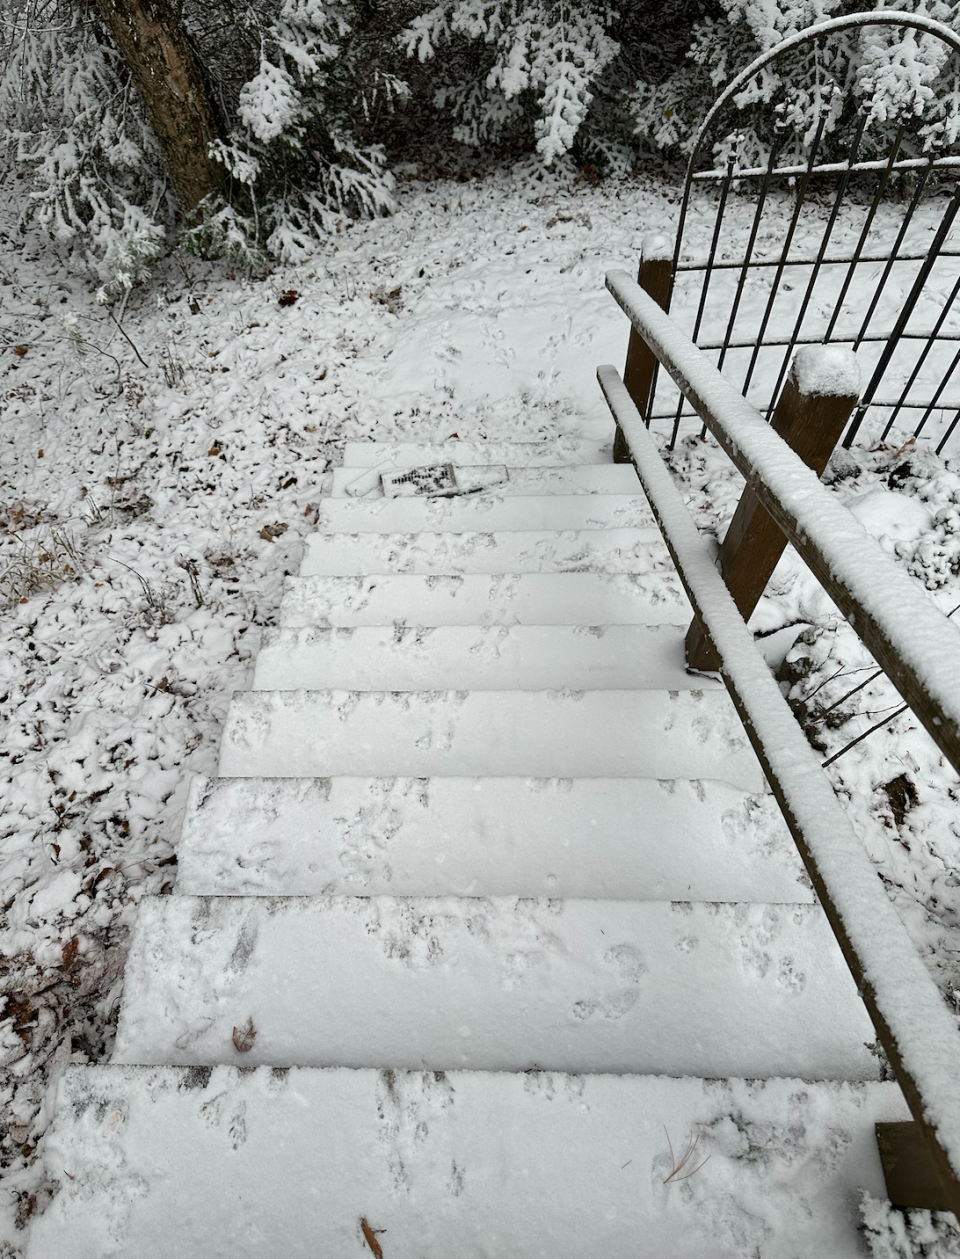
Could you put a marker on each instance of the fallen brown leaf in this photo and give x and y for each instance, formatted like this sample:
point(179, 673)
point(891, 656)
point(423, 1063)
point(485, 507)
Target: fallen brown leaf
point(22, 1012)
point(243, 1037)
point(391, 298)
point(370, 1236)
point(26, 1206)
point(70, 950)
point(269, 532)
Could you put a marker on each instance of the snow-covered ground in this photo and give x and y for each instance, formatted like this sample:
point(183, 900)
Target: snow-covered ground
point(160, 466)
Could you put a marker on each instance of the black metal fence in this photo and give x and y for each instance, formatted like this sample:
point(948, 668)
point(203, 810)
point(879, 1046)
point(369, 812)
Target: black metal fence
point(856, 248)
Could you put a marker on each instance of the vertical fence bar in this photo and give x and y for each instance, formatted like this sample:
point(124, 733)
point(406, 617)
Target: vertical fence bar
point(714, 243)
point(748, 254)
point(810, 417)
point(821, 254)
point(932, 406)
point(707, 275)
point(865, 232)
point(939, 239)
point(791, 230)
point(655, 277)
point(918, 367)
point(894, 252)
point(948, 434)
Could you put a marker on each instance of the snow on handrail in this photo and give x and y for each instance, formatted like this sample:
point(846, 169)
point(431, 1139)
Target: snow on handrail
point(912, 640)
point(912, 1021)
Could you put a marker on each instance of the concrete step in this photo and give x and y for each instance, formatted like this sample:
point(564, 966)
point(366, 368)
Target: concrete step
point(493, 657)
point(519, 551)
point(619, 838)
point(168, 1163)
point(487, 599)
point(557, 451)
point(541, 734)
point(495, 984)
point(486, 513)
point(596, 478)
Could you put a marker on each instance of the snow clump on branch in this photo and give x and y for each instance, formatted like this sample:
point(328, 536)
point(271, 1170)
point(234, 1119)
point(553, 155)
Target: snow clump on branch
point(551, 52)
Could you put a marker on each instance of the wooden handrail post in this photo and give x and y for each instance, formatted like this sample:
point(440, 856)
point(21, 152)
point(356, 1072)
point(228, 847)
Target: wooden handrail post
point(817, 400)
point(654, 277)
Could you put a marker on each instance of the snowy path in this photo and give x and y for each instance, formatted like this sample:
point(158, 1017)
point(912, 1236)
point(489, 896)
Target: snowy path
point(492, 909)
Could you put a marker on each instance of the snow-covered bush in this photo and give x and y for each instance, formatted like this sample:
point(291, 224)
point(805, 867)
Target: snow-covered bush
point(897, 1234)
point(600, 80)
point(303, 97)
point(77, 136)
point(297, 95)
point(300, 155)
point(895, 75)
point(543, 60)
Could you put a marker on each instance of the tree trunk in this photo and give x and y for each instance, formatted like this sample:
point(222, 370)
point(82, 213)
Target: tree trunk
point(154, 47)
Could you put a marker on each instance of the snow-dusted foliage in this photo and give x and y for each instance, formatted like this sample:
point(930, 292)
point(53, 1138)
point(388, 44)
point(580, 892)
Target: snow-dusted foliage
point(306, 93)
point(601, 81)
point(903, 73)
point(897, 1234)
point(894, 75)
point(296, 155)
point(295, 93)
point(77, 135)
point(544, 57)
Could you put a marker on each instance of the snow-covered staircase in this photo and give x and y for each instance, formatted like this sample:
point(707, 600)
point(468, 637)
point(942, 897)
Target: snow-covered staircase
point(492, 897)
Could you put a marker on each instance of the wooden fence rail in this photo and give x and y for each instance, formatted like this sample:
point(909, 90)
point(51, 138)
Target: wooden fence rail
point(915, 642)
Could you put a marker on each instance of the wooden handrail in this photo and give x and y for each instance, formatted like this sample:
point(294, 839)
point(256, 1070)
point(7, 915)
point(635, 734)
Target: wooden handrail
point(913, 1024)
point(911, 639)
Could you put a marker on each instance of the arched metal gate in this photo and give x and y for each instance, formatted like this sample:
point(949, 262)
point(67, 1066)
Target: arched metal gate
point(856, 247)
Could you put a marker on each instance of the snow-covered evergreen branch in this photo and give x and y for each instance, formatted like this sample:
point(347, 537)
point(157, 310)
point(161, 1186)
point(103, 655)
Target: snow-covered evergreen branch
point(549, 52)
